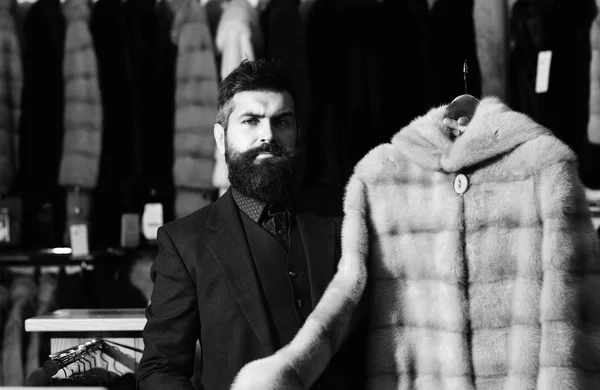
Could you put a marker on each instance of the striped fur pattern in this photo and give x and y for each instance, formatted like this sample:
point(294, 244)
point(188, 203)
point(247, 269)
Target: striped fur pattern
point(82, 142)
point(11, 82)
point(493, 289)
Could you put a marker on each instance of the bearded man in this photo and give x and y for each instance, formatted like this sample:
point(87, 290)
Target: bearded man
point(239, 277)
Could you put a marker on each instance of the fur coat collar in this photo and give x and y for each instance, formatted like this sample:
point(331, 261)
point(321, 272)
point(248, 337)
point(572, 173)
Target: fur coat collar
point(493, 131)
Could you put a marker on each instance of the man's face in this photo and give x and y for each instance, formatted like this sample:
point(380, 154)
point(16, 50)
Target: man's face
point(259, 143)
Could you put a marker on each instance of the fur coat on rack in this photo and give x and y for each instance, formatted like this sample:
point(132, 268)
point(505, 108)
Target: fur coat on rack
point(11, 83)
point(487, 280)
point(594, 123)
point(239, 37)
point(196, 107)
point(82, 142)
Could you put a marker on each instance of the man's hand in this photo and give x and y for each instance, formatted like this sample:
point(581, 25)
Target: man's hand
point(270, 373)
point(457, 127)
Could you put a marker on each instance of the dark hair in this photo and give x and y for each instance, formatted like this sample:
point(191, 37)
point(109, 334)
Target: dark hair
point(259, 75)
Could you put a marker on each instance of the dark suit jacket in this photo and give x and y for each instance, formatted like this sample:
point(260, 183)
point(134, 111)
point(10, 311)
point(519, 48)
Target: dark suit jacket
point(206, 288)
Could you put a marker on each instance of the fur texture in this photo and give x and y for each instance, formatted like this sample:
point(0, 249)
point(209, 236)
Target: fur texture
point(82, 142)
point(594, 123)
point(238, 38)
point(196, 102)
point(492, 289)
point(11, 82)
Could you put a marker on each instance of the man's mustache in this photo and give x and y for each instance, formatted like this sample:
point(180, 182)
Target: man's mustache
point(275, 149)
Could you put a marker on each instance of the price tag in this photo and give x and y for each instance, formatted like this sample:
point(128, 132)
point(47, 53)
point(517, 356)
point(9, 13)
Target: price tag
point(130, 230)
point(79, 240)
point(152, 220)
point(4, 225)
point(543, 71)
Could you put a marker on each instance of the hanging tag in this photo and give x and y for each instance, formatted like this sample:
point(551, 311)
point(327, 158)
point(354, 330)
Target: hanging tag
point(130, 230)
point(152, 220)
point(543, 71)
point(49, 269)
point(4, 226)
point(72, 269)
point(79, 240)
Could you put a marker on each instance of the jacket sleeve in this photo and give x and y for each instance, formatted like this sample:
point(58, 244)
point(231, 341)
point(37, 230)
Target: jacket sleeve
point(173, 323)
point(569, 354)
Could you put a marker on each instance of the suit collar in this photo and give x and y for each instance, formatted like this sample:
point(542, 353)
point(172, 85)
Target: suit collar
point(230, 249)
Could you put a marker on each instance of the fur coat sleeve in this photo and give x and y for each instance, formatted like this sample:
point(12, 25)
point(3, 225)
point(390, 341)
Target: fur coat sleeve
point(489, 285)
point(569, 301)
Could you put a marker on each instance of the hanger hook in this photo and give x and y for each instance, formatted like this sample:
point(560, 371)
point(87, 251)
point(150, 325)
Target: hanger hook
point(94, 357)
point(115, 362)
point(465, 72)
point(104, 359)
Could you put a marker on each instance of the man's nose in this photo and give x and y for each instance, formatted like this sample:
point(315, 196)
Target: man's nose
point(266, 132)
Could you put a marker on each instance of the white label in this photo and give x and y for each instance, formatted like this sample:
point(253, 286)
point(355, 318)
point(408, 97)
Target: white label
point(130, 230)
point(79, 240)
point(152, 220)
point(543, 71)
point(4, 227)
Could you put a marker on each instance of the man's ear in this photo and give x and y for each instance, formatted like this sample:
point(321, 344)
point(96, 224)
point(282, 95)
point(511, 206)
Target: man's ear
point(219, 133)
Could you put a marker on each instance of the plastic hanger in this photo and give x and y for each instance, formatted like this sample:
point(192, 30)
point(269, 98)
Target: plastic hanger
point(464, 105)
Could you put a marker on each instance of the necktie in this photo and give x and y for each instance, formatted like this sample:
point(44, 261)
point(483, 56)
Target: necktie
point(277, 224)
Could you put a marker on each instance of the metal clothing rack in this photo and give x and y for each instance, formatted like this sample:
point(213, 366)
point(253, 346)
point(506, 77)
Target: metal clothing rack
point(62, 359)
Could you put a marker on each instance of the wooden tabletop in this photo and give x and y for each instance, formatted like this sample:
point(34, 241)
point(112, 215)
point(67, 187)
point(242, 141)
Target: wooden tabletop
point(80, 320)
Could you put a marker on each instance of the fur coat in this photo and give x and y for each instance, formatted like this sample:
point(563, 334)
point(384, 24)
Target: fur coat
point(82, 142)
point(11, 82)
point(238, 38)
point(486, 283)
point(594, 123)
point(196, 107)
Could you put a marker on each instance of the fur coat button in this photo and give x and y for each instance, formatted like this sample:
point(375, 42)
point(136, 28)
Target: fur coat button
point(461, 184)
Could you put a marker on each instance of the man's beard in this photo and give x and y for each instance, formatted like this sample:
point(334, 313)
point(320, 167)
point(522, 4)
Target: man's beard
point(268, 179)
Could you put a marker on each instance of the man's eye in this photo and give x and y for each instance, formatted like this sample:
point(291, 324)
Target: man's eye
point(284, 122)
point(250, 121)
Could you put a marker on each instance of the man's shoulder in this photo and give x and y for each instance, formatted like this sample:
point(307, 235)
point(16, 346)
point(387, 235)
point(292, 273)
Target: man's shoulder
point(189, 224)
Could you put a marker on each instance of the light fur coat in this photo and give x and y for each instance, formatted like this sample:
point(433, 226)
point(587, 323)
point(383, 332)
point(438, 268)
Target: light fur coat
point(497, 288)
point(82, 142)
point(196, 95)
point(239, 37)
point(594, 123)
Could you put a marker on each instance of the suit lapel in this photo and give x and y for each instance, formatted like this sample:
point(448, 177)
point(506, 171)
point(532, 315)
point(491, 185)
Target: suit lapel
point(319, 240)
point(230, 249)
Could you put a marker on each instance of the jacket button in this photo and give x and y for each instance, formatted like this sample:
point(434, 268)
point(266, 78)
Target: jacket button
point(299, 303)
point(461, 184)
point(292, 273)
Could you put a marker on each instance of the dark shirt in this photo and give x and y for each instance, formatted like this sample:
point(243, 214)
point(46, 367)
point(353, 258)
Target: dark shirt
point(274, 218)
